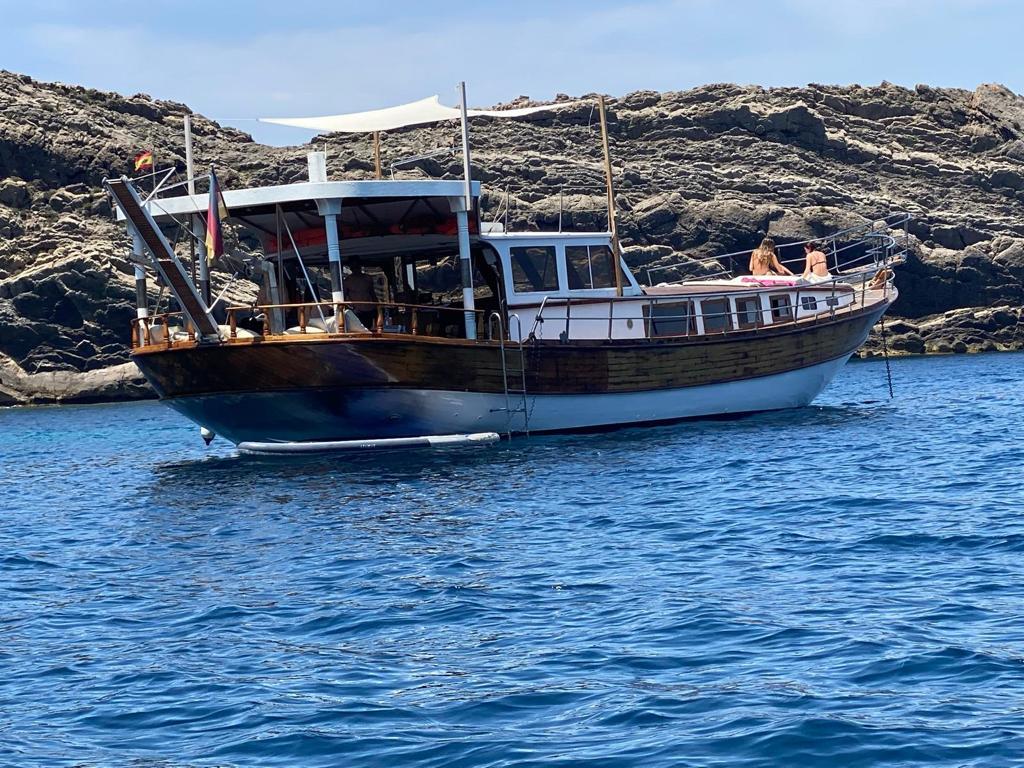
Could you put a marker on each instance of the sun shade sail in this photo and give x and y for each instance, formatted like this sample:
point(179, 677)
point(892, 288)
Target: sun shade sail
point(429, 110)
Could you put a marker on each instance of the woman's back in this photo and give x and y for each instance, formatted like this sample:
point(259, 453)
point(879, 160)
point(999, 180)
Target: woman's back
point(760, 261)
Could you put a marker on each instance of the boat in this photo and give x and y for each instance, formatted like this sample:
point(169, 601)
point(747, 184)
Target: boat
point(473, 331)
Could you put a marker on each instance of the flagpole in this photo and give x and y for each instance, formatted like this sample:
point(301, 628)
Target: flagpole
point(190, 172)
point(204, 264)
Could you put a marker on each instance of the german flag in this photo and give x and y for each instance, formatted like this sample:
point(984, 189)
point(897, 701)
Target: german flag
point(144, 160)
point(216, 212)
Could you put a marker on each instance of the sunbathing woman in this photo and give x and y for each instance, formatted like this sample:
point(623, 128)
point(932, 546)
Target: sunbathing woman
point(816, 268)
point(765, 261)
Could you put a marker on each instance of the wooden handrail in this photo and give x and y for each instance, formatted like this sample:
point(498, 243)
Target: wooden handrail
point(350, 304)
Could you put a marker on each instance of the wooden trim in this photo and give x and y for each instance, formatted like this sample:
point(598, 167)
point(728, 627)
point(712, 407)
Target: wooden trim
point(408, 362)
point(775, 329)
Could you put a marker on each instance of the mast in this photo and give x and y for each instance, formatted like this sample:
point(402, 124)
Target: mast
point(191, 186)
point(465, 146)
point(611, 198)
point(198, 236)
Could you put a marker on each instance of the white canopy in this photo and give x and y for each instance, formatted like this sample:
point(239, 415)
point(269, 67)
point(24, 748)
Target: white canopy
point(429, 110)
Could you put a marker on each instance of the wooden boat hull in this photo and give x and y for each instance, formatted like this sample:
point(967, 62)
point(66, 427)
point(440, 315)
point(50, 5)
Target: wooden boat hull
point(342, 388)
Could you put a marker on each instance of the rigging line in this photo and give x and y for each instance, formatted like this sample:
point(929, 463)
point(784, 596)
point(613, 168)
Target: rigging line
point(315, 294)
point(220, 295)
point(179, 222)
point(159, 299)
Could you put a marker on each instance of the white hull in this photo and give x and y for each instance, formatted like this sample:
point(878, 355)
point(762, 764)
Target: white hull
point(558, 413)
point(370, 413)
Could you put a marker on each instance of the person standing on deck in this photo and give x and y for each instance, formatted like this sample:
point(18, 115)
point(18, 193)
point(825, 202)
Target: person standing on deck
point(361, 295)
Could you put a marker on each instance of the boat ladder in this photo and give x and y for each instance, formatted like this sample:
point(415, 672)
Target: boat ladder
point(164, 260)
point(513, 374)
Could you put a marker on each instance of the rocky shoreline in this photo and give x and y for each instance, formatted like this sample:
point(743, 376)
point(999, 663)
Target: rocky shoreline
point(698, 173)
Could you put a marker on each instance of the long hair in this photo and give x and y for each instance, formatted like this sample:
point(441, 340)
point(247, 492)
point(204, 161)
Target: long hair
point(764, 252)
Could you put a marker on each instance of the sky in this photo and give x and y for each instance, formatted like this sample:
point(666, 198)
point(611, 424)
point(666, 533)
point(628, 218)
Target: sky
point(236, 61)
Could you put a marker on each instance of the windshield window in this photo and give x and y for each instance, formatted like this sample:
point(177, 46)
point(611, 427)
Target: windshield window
point(533, 269)
point(589, 266)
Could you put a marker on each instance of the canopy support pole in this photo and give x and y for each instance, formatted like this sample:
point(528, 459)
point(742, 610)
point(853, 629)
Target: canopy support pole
point(616, 256)
point(376, 154)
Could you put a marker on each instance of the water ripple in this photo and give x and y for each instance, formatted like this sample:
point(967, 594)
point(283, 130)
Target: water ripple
point(837, 585)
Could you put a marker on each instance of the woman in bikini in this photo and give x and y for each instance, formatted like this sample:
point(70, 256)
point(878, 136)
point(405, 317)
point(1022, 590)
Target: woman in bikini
point(816, 268)
point(765, 261)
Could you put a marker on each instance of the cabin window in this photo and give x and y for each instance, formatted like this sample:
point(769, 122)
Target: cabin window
point(589, 266)
point(748, 312)
point(533, 269)
point(808, 302)
point(717, 317)
point(831, 301)
point(782, 307)
point(674, 319)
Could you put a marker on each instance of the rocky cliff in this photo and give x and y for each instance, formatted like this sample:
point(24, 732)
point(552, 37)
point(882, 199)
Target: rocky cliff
point(698, 172)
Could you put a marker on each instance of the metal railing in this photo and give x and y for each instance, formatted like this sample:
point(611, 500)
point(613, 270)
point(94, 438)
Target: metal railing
point(169, 328)
point(867, 287)
point(321, 318)
point(870, 243)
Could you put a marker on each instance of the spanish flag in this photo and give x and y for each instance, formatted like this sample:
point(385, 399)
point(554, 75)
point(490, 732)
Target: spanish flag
point(215, 213)
point(144, 160)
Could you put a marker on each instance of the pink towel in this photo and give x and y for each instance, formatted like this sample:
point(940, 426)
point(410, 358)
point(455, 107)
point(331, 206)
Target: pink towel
point(766, 283)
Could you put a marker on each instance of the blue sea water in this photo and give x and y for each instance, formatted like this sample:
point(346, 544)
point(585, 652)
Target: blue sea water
point(836, 585)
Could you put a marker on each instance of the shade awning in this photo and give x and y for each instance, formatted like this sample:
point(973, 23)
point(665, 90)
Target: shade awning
point(429, 110)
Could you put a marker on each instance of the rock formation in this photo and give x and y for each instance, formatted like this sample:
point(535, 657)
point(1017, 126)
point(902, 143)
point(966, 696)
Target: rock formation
point(698, 172)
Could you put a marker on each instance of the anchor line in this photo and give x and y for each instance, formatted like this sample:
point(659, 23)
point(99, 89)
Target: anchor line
point(885, 355)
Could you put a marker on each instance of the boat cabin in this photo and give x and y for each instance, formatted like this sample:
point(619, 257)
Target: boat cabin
point(437, 271)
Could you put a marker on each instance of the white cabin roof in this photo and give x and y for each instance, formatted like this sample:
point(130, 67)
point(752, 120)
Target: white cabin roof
point(255, 197)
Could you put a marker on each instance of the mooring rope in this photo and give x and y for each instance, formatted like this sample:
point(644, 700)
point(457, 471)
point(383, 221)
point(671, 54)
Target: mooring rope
point(885, 354)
